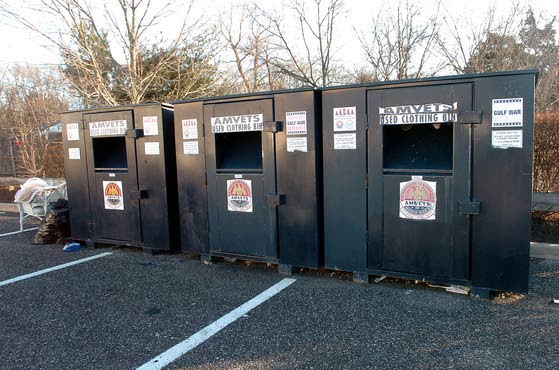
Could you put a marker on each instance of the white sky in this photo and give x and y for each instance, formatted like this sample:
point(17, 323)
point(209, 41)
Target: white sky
point(19, 45)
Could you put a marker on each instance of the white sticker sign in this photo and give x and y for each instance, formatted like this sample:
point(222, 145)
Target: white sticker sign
point(74, 153)
point(248, 122)
point(345, 119)
point(418, 199)
point(239, 195)
point(418, 113)
point(150, 126)
point(113, 195)
point(151, 148)
point(345, 141)
point(190, 147)
point(507, 112)
point(72, 132)
point(190, 129)
point(504, 139)
point(296, 123)
point(108, 128)
point(297, 144)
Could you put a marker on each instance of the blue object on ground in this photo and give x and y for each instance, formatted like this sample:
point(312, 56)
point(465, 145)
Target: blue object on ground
point(72, 247)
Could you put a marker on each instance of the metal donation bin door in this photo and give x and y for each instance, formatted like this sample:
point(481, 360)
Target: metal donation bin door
point(241, 167)
point(113, 176)
point(419, 180)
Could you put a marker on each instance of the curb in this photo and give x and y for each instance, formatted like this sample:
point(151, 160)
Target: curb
point(544, 250)
point(8, 207)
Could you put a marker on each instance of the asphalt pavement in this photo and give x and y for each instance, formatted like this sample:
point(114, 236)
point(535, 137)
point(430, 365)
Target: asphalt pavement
point(123, 309)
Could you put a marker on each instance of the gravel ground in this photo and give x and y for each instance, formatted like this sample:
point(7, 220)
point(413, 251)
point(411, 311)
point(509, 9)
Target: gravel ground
point(122, 310)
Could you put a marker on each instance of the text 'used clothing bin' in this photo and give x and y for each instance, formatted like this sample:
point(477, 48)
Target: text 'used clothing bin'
point(260, 156)
point(431, 179)
point(121, 175)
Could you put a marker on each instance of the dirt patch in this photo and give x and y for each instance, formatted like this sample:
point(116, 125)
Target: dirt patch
point(7, 193)
point(545, 227)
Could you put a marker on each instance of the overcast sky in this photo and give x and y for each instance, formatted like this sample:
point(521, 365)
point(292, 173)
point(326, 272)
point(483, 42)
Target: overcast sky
point(19, 45)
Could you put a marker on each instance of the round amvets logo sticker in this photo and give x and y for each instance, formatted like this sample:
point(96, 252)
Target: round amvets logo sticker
point(239, 195)
point(113, 195)
point(418, 199)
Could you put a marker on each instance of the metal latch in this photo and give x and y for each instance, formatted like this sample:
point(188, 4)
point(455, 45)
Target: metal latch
point(470, 207)
point(275, 200)
point(469, 117)
point(273, 126)
point(139, 194)
point(135, 133)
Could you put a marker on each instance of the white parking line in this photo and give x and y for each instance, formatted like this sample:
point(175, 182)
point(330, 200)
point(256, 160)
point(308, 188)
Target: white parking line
point(200, 337)
point(19, 232)
point(54, 268)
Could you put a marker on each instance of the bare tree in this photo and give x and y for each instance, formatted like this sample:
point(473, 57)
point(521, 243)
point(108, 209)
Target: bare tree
point(515, 41)
point(305, 51)
point(464, 38)
point(400, 43)
point(179, 66)
point(29, 107)
point(248, 42)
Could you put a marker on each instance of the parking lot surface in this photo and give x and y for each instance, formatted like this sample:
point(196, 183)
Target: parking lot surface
point(125, 308)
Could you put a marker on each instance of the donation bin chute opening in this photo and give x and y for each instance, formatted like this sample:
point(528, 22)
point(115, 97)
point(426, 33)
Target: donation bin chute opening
point(121, 175)
point(436, 184)
point(262, 172)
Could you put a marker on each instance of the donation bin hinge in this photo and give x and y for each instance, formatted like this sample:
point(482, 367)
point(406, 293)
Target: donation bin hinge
point(139, 194)
point(273, 126)
point(135, 133)
point(470, 207)
point(469, 117)
point(275, 200)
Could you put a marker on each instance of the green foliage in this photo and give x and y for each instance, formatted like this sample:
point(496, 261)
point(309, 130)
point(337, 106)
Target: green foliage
point(530, 47)
point(497, 53)
point(160, 73)
point(540, 46)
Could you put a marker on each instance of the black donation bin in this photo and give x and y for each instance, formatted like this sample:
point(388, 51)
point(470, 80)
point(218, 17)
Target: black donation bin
point(121, 175)
point(260, 157)
point(431, 179)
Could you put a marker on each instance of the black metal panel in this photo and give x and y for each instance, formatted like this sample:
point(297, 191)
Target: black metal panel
point(248, 156)
point(75, 172)
point(157, 175)
point(191, 180)
point(437, 247)
point(482, 230)
point(345, 179)
point(417, 247)
point(299, 177)
point(149, 218)
point(286, 223)
point(107, 223)
point(244, 233)
point(502, 182)
point(439, 80)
